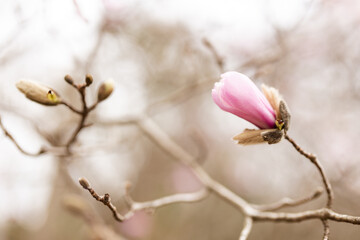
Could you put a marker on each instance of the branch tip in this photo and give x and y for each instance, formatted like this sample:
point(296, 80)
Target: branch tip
point(84, 183)
point(88, 79)
point(69, 80)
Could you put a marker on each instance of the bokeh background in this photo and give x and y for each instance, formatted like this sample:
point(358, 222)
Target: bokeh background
point(165, 56)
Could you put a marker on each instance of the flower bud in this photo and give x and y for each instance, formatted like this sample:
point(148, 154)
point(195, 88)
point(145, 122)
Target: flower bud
point(69, 79)
point(84, 183)
point(237, 94)
point(105, 90)
point(88, 79)
point(38, 92)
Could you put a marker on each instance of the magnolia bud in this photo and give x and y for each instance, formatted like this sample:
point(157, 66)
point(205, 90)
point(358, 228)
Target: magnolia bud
point(84, 183)
point(69, 79)
point(105, 90)
point(88, 79)
point(38, 93)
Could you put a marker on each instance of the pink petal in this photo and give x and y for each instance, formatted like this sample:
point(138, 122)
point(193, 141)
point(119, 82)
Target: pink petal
point(237, 94)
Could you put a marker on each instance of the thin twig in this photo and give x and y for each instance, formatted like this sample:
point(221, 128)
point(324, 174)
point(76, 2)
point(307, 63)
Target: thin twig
point(288, 202)
point(175, 198)
point(219, 60)
point(149, 205)
point(84, 112)
point(326, 229)
point(78, 11)
point(313, 159)
point(92, 107)
point(248, 222)
point(105, 199)
point(128, 120)
point(71, 107)
point(322, 213)
point(6, 132)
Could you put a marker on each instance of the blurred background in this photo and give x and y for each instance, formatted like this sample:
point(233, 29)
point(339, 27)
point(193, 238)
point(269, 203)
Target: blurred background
point(165, 57)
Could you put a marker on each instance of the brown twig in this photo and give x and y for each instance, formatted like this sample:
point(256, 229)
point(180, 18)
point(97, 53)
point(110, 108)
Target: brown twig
point(81, 88)
point(313, 159)
point(71, 107)
point(288, 202)
point(138, 206)
point(105, 199)
point(6, 132)
point(326, 230)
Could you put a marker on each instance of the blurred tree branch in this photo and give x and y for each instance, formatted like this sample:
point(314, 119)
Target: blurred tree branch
point(288, 202)
point(252, 213)
point(7, 133)
point(138, 206)
point(248, 223)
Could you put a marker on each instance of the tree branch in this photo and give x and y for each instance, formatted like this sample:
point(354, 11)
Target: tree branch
point(81, 88)
point(246, 229)
point(6, 132)
point(313, 159)
point(252, 213)
point(164, 201)
point(70, 107)
point(138, 206)
point(288, 202)
point(326, 229)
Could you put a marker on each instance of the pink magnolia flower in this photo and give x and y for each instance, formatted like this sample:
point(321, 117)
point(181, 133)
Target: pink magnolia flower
point(237, 94)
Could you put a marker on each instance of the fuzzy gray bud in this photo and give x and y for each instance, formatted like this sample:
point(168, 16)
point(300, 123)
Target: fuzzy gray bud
point(84, 183)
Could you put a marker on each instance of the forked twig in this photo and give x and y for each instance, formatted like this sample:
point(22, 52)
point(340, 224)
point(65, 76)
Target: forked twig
point(138, 206)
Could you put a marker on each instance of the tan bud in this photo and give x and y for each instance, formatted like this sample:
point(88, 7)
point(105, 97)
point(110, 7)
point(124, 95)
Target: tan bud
point(255, 136)
point(84, 183)
point(250, 136)
point(278, 104)
point(38, 92)
point(69, 79)
point(105, 90)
